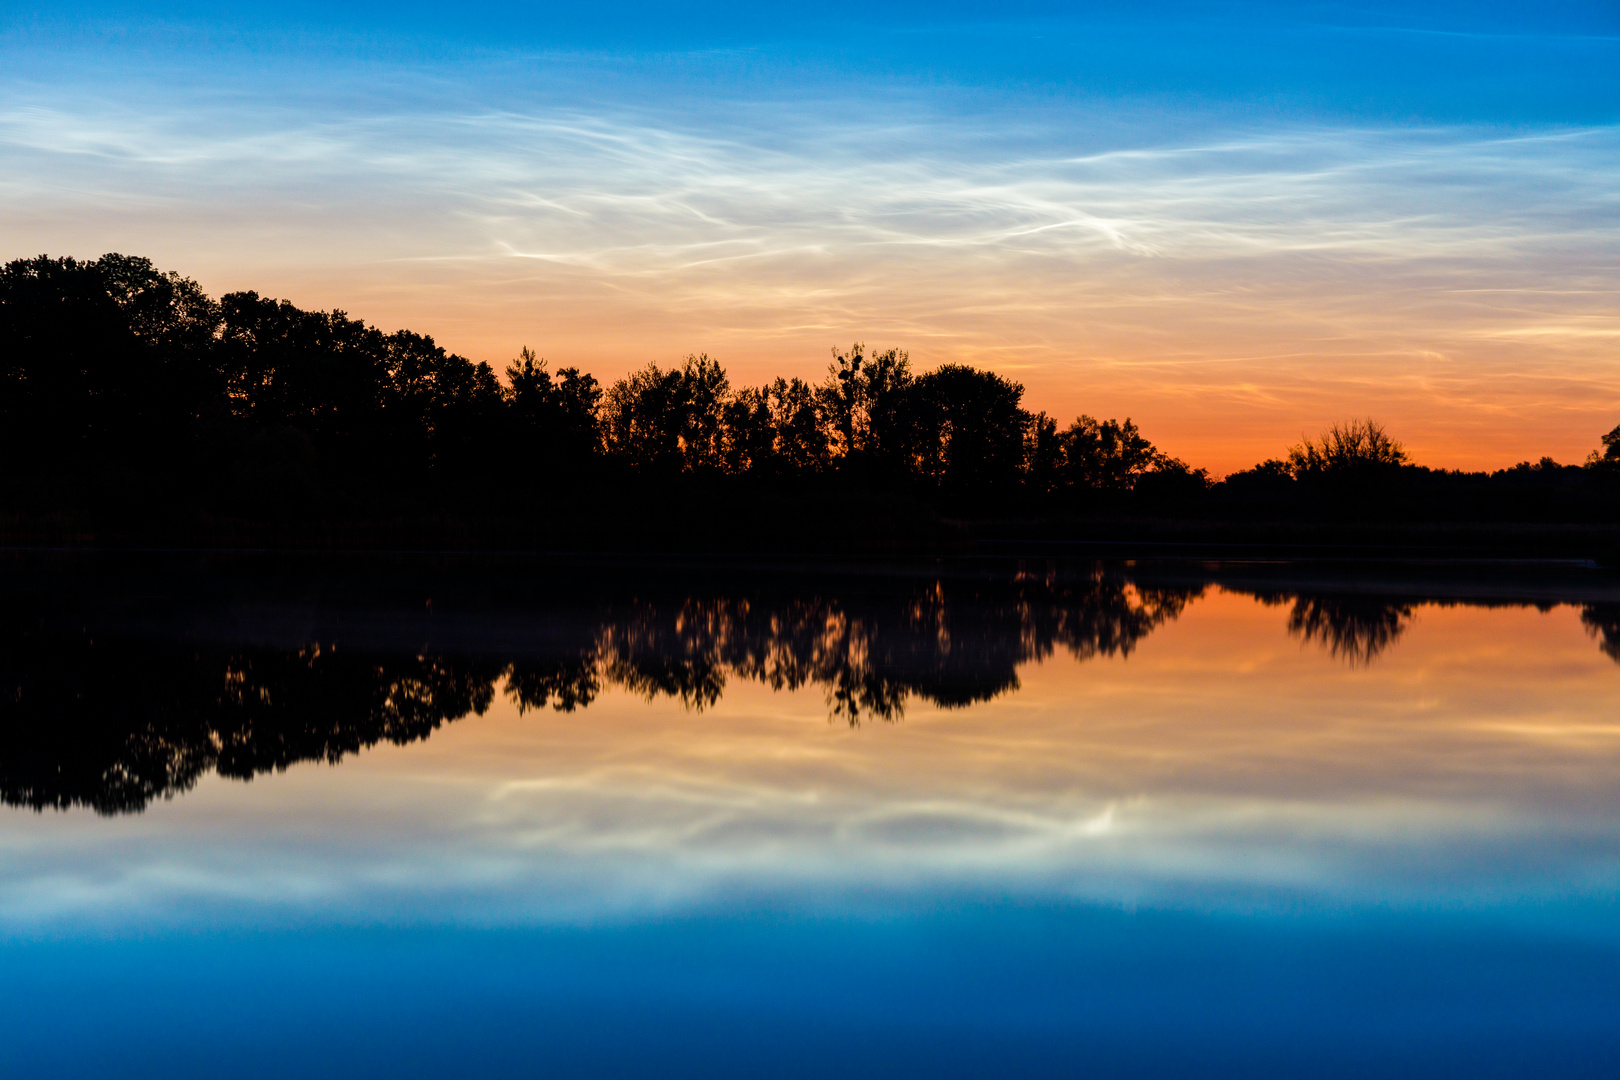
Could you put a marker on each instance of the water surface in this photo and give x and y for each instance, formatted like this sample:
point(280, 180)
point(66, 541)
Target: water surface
point(1047, 818)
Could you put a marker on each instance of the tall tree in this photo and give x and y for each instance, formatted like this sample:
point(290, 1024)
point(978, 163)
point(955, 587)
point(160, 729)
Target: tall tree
point(672, 421)
point(968, 430)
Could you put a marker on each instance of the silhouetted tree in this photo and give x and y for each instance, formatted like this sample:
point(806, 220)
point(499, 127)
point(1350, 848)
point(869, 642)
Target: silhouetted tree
point(555, 417)
point(750, 432)
point(461, 405)
point(668, 421)
point(863, 404)
point(377, 408)
point(1105, 455)
point(775, 430)
point(126, 394)
point(1043, 457)
point(1608, 459)
point(968, 431)
point(1272, 478)
point(1355, 446)
point(106, 361)
point(320, 372)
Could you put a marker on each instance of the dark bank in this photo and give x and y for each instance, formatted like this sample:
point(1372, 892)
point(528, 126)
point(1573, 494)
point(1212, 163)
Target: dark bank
point(137, 411)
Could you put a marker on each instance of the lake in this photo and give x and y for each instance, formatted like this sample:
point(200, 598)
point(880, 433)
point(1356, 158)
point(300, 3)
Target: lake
point(1040, 817)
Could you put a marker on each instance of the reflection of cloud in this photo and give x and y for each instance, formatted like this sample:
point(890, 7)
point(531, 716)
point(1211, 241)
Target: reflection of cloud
point(116, 725)
point(1217, 766)
point(566, 855)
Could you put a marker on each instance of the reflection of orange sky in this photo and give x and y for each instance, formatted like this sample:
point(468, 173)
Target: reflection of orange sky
point(1469, 704)
point(1480, 754)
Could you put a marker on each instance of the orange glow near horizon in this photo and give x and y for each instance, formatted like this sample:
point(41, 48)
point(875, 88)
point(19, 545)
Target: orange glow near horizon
point(1230, 291)
point(1219, 381)
point(1222, 749)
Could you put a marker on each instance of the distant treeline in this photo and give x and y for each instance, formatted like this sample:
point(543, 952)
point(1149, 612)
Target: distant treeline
point(127, 389)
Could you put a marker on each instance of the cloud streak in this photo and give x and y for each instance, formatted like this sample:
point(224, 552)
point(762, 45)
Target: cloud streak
point(1286, 271)
point(1225, 765)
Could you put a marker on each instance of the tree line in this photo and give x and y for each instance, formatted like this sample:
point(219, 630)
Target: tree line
point(119, 381)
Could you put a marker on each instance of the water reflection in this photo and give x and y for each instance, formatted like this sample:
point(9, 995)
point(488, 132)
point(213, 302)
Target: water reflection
point(1356, 813)
point(96, 714)
point(1602, 621)
point(113, 722)
point(949, 642)
point(1355, 629)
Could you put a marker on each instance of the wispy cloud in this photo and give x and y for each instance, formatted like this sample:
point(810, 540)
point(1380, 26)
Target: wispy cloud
point(1472, 769)
point(1241, 256)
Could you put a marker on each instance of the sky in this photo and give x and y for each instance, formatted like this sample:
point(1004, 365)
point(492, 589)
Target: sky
point(1234, 223)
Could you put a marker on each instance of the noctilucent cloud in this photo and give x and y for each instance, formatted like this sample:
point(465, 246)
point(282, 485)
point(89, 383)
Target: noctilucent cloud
point(1235, 223)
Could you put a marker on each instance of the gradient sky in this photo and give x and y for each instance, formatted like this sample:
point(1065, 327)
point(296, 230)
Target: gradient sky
point(1235, 223)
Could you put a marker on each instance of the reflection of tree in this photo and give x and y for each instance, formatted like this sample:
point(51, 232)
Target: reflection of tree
point(113, 725)
point(115, 722)
point(341, 702)
point(564, 684)
point(112, 722)
point(108, 728)
point(952, 642)
point(1602, 621)
point(1353, 628)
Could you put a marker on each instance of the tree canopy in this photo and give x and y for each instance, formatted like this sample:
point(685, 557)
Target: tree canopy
point(118, 377)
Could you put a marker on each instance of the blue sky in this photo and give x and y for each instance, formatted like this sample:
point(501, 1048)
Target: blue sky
point(1273, 214)
point(1472, 62)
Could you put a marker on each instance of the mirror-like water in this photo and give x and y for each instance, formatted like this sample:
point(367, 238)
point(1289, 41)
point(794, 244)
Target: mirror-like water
point(1040, 818)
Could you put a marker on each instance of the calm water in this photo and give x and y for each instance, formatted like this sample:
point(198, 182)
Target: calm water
point(1038, 818)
